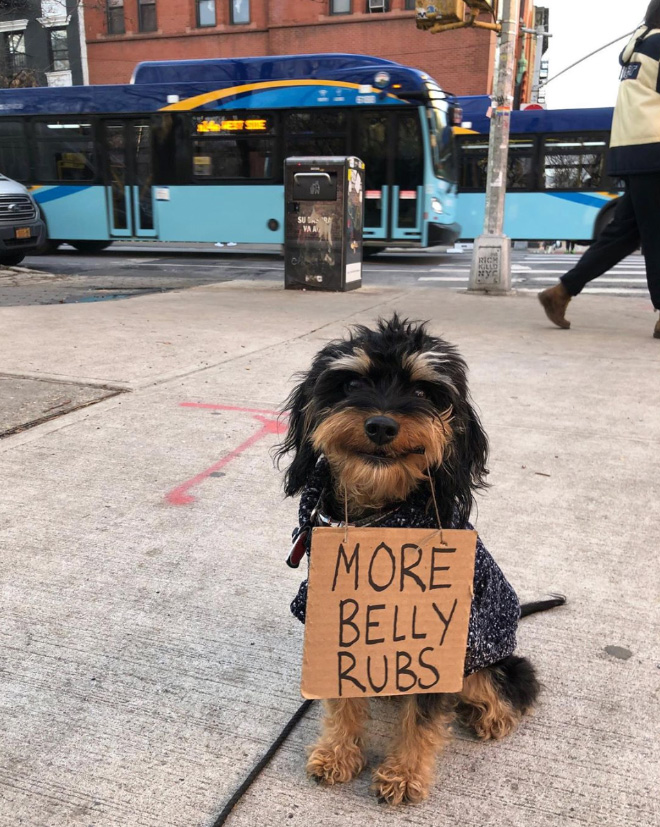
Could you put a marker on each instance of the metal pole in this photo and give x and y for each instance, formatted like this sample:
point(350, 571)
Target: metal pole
point(491, 260)
point(538, 57)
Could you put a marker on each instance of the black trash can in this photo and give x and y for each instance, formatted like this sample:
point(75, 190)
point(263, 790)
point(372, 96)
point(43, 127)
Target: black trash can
point(324, 201)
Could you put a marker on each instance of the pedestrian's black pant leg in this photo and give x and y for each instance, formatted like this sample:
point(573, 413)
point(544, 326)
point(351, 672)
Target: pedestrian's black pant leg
point(619, 239)
point(645, 193)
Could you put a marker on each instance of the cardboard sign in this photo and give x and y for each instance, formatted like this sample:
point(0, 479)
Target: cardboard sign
point(387, 611)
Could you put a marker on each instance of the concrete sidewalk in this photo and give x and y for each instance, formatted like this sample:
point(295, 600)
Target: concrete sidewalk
point(147, 654)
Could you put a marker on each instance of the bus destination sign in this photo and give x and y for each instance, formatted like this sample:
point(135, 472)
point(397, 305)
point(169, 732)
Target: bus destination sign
point(222, 124)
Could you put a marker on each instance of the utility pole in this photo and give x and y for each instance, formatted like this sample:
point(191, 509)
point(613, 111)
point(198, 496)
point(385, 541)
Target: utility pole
point(491, 259)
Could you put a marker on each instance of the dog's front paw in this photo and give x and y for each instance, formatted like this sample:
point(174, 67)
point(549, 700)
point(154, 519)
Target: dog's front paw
point(397, 784)
point(335, 764)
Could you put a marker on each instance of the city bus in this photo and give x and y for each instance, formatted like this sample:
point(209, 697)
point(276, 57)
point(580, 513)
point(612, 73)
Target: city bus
point(557, 188)
point(193, 151)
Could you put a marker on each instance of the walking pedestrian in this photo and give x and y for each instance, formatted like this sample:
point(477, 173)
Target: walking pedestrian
point(570, 246)
point(635, 158)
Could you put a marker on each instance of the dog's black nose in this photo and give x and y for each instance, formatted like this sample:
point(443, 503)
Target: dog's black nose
point(381, 429)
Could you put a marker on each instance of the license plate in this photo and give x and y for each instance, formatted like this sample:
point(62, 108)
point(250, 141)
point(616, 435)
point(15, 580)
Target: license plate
point(22, 232)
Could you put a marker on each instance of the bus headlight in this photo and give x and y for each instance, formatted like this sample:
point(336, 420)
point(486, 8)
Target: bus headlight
point(436, 205)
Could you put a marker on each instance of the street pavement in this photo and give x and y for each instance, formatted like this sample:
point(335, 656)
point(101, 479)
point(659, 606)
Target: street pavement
point(134, 269)
point(147, 653)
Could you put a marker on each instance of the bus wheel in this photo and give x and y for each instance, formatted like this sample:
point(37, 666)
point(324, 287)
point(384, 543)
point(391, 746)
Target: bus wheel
point(90, 246)
point(604, 218)
point(49, 247)
point(370, 252)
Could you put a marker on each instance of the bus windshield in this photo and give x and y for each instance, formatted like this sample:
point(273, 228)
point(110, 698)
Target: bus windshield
point(443, 154)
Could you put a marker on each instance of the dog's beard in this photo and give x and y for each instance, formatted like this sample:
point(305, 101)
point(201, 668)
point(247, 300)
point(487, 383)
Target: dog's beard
point(370, 476)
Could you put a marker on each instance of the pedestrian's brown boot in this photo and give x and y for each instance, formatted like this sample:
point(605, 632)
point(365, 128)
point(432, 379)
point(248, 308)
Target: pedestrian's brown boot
point(656, 332)
point(555, 301)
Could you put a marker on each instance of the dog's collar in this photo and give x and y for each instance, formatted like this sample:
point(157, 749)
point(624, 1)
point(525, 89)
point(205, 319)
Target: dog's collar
point(318, 518)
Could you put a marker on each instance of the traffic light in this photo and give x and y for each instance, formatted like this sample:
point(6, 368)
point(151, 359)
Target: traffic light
point(444, 15)
point(430, 12)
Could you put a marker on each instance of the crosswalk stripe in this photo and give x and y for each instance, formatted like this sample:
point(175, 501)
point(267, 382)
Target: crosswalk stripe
point(443, 278)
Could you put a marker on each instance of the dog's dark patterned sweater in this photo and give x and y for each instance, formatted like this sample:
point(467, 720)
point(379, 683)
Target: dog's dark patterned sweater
point(495, 606)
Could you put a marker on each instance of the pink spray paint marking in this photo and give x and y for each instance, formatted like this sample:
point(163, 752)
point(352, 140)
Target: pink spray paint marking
point(180, 495)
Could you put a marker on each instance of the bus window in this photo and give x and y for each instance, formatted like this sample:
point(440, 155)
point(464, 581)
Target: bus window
point(321, 122)
point(65, 151)
point(165, 132)
point(315, 133)
point(474, 163)
point(233, 146)
point(520, 165)
point(441, 136)
point(574, 162)
point(301, 145)
point(14, 160)
point(226, 158)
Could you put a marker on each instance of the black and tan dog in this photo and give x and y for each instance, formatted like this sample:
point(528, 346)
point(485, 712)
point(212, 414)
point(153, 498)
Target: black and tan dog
point(382, 420)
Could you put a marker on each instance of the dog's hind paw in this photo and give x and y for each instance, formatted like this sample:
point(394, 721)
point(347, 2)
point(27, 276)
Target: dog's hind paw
point(335, 765)
point(395, 784)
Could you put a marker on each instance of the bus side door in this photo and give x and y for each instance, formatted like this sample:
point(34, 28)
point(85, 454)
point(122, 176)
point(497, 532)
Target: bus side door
point(390, 144)
point(128, 177)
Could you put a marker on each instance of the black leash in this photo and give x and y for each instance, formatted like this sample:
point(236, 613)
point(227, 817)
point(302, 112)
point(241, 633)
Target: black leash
point(525, 610)
point(254, 772)
point(542, 605)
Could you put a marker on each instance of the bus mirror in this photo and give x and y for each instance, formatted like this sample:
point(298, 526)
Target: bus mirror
point(456, 116)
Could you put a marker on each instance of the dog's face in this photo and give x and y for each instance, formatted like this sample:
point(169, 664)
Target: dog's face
point(386, 407)
point(381, 415)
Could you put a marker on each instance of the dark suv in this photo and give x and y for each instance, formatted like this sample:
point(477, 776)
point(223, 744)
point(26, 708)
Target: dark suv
point(21, 229)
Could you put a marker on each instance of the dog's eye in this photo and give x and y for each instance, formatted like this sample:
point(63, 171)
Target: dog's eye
point(420, 393)
point(353, 385)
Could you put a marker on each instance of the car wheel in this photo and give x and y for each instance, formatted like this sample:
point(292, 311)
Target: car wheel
point(12, 260)
point(49, 247)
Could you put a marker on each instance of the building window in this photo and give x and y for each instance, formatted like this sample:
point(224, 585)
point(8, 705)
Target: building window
point(409, 5)
point(15, 58)
point(240, 11)
point(205, 13)
point(340, 6)
point(147, 15)
point(115, 15)
point(59, 50)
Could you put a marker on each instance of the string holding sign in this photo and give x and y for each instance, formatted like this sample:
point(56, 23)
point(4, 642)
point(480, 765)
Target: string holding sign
point(387, 612)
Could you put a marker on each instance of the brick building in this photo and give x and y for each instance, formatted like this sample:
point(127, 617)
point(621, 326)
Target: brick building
point(41, 43)
point(120, 33)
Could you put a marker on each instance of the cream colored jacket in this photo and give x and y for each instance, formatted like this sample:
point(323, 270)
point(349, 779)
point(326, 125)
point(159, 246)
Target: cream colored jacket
point(635, 141)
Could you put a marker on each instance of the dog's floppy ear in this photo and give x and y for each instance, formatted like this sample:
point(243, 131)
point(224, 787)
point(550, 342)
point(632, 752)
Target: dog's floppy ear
point(297, 440)
point(464, 470)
